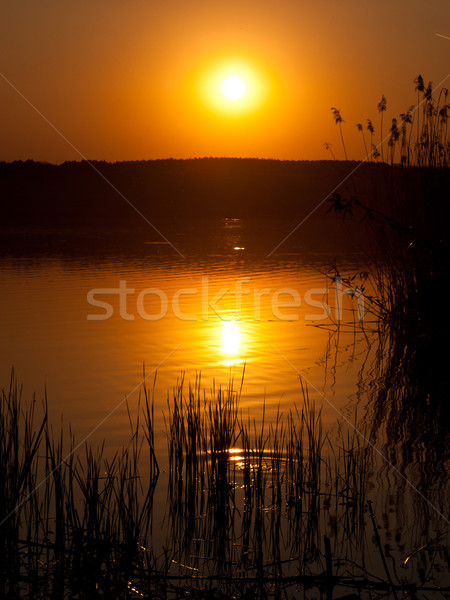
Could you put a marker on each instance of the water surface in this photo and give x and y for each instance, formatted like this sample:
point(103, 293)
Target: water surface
point(222, 306)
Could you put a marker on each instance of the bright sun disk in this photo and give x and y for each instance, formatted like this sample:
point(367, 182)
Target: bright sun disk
point(233, 87)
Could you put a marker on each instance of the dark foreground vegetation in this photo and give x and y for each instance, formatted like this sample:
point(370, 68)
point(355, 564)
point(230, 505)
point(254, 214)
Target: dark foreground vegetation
point(406, 216)
point(408, 239)
point(255, 510)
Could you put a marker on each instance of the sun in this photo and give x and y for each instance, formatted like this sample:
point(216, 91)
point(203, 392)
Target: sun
point(233, 87)
point(231, 337)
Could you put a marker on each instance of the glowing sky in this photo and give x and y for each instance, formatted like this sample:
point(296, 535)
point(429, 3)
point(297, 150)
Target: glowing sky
point(141, 79)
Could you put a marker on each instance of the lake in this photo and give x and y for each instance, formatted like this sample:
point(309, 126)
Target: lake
point(85, 314)
point(220, 308)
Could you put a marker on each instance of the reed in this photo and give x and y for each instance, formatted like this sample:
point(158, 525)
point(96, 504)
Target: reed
point(255, 507)
point(339, 120)
point(67, 523)
point(421, 131)
point(406, 218)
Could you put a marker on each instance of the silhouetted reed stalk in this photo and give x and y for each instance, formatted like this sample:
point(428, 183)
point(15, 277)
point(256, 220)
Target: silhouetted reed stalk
point(267, 496)
point(406, 218)
point(339, 120)
point(381, 109)
point(422, 130)
point(67, 522)
point(431, 146)
point(360, 128)
point(255, 507)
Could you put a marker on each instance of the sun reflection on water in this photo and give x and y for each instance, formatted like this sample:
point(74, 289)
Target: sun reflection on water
point(231, 341)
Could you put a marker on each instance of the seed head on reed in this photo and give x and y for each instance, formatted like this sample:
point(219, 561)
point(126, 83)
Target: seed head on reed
point(382, 105)
point(328, 147)
point(359, 127)
point(339, 120)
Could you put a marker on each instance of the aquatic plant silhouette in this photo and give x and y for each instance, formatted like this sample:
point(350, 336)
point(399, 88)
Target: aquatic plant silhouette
point(328, 147)
point(254, 508)
point(420, 88)
point(374, 154)
point(339, 120)
point(360, 128)
point(393, 138)
point(409, 236)
point(382, 105)
point(406, 118)
point(428, 118)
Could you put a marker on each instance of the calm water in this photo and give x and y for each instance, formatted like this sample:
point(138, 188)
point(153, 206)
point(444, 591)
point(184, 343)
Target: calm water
point(81, 316)
point(222, 306)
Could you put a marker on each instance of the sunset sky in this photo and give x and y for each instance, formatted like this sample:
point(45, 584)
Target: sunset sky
point(142, 79)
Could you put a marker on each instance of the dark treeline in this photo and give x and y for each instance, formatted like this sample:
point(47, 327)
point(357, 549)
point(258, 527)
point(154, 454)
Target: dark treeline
point(81, 193)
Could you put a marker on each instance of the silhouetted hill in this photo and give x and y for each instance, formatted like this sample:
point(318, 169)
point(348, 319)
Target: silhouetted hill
point(78, 194)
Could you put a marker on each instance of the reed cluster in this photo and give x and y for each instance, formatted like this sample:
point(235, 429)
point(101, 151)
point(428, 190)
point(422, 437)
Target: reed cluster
point(258, 498)
point(420, 133)
point(69, 521)
point(255, 508)
point(405, 213)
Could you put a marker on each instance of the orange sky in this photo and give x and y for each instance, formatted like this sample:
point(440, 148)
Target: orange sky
point(129, 80)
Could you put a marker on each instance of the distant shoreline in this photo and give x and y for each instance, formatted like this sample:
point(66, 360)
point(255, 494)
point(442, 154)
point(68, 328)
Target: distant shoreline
point(102, 194)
